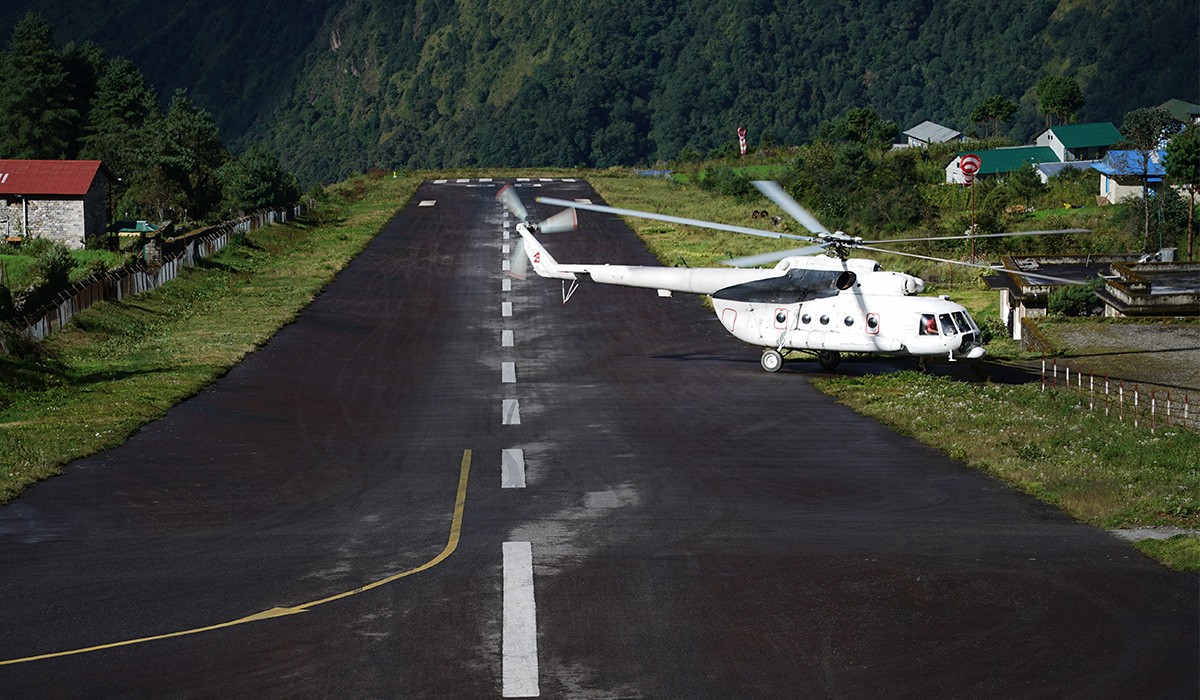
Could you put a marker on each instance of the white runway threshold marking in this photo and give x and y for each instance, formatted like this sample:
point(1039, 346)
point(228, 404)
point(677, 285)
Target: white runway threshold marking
point(510, 412)
point(508, 373)
point(512, 469)
point(520, 665)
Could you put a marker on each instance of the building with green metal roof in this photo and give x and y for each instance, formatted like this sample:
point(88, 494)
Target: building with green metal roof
point(1080, 141)
point(1183, 112)
point(999, 161)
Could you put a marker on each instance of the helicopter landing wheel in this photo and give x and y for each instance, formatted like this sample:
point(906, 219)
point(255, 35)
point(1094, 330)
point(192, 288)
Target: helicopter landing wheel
point(771, 360)
point(828, 359)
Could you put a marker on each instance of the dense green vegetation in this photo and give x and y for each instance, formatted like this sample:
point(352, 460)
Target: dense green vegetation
point(336, 87)
point(75, 103)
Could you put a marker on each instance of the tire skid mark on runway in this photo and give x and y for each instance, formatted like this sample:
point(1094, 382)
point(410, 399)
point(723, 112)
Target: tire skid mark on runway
point(460, 501)
point(512, 468)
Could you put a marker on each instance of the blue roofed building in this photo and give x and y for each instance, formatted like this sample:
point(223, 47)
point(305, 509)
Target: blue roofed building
point(1121, 173)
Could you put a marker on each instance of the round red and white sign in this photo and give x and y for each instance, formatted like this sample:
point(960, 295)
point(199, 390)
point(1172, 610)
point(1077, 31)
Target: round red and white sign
point(969, 164)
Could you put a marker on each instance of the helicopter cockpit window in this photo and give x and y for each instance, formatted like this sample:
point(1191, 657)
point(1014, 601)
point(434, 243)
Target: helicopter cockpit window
point(961, 320)
point(928, 325)
point(947, 324)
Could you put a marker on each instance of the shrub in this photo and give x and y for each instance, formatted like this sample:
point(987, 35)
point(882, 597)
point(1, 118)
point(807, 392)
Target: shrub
point(1075, 299)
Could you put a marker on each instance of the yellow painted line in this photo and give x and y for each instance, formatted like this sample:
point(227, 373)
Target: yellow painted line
point(460, 502)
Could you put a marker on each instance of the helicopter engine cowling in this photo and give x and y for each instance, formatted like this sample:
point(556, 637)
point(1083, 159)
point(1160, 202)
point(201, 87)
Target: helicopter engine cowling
point(887, 282)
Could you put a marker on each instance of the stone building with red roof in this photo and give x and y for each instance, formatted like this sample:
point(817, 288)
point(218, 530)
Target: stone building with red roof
point(64, 200)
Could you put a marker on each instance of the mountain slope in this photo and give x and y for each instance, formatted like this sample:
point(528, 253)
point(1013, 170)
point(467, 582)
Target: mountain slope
point(337, 87)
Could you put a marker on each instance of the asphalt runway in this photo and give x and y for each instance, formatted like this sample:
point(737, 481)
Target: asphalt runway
point(342, 516)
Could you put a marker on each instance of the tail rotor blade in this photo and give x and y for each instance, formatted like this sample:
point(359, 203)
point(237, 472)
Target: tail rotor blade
point(508, 197)
point(562, 222)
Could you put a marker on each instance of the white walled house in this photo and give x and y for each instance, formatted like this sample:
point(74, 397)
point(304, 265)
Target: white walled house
point(1072, 142)
point(64, 200)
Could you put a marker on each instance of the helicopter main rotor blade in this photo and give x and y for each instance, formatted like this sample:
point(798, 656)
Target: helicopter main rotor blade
point(784, 201)
point(981, 235)
point(671, 219)
point(508, 197)
point(989, 268)
point(764, 258)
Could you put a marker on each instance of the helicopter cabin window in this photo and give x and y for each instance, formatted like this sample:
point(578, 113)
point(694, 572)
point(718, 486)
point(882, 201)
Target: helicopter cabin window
point(928, 325)
point(824, 320)
point(947, 325)
point(780, 318)
point(806, 319)
point(872, 323)
point(849, 321)
point(961, 320)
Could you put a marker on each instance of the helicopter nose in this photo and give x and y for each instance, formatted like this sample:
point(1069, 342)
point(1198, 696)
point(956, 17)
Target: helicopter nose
point(976, 352)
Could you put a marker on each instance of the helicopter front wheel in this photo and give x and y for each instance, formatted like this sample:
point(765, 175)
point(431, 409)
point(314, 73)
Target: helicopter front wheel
point(828, 359)
point(771, 360)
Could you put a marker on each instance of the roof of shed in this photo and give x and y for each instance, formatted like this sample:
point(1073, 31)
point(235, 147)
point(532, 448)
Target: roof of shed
point(1181, 111)
point(930, 132)
point(1085, 135)
point(47, 177)
point(1006, 160)
point(1132, 163)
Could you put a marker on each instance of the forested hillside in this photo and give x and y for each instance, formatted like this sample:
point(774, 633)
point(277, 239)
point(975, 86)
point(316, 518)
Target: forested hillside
point(338, 87)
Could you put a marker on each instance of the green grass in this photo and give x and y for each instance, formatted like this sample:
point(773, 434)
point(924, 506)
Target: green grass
point(1101, 471)
point(1179, 552)
point(120, 365)
point(18, 270)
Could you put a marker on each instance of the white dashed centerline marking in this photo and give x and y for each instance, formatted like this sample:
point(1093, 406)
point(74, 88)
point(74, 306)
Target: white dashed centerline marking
point(512, 469)
point(508, 372)
point(520, 664)
point(506, 339)
point(506, 308)
point(510, 412)
point(504, 249)
point(506, 285)
point(505, 265)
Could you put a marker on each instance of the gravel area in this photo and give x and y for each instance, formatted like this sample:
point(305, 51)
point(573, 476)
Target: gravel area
point(1164, 353)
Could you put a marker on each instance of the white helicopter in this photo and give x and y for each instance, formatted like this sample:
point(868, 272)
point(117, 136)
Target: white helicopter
point(822, 305)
